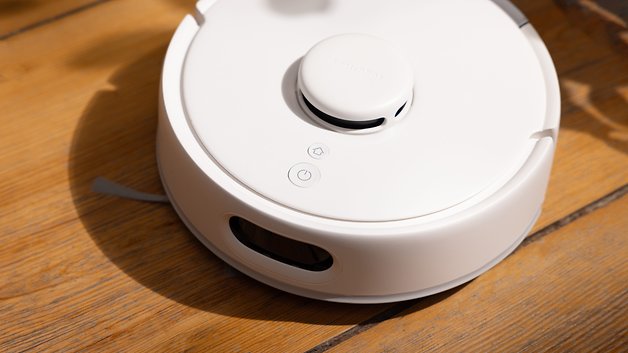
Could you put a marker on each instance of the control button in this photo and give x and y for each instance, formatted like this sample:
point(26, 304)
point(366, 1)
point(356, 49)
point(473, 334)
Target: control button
point(304, 175)
point(318, 151)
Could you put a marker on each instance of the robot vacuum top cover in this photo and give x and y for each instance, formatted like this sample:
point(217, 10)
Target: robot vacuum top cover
point(400, 147)
point(478, 95)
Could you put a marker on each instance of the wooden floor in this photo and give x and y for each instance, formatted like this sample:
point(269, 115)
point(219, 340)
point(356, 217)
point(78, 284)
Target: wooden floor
point(85, 272)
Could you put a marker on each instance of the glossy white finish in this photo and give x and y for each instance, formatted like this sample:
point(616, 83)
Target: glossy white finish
point(391, 235)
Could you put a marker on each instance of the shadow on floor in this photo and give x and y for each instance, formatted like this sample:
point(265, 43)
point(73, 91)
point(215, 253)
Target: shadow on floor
point(599, 99)
point(115, 138)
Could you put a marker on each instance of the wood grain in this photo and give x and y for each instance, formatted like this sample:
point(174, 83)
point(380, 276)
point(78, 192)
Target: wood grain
point(19, 15)
point(80, 271)
point(593, 73)
point(563, 293)
point(86, 272)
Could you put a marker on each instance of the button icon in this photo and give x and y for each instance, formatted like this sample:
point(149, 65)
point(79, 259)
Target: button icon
point(318, 151)
point(304, 175)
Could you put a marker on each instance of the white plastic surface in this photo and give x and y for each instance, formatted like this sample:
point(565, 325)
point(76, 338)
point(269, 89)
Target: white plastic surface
point(356, 77)
point(478, 97)
point(373, 261)
point(304, 175)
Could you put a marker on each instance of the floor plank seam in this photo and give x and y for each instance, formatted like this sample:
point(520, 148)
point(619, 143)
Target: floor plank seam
point(597, 204)
point(363, 326)
point(51, 19)
point(400, 307)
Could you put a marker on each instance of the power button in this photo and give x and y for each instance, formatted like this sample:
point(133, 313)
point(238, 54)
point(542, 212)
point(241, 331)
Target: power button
point(304, 175)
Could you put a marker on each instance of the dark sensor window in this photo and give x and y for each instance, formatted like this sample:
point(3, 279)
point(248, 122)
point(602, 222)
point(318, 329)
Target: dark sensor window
point(346, 124)
point(289, 251)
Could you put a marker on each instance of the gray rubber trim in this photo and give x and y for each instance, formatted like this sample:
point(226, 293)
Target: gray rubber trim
point(108, 187)
point(512, 11)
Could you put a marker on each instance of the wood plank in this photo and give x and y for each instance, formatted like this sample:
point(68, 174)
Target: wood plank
point(593, 74)
point(17, 15)
point(82, 271)
point(563, 293)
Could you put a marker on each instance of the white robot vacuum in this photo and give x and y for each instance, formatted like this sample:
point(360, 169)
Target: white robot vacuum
point(358, 151)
